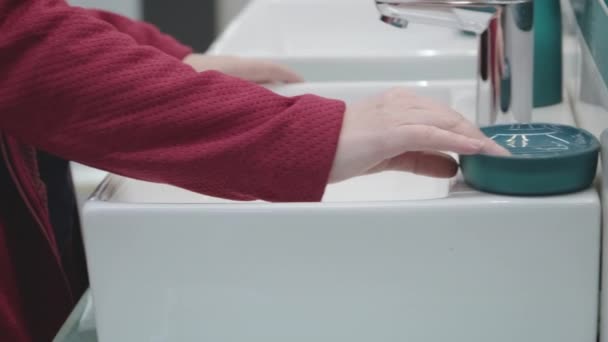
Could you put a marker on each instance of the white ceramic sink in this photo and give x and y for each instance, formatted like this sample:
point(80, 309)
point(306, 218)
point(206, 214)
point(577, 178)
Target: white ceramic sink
point(387, 258)
point(344, 40)
point(344, 27)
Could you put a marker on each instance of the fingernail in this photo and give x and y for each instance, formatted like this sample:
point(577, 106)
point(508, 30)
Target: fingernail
point(477, 144)
point(503, 151)
point(495, 149)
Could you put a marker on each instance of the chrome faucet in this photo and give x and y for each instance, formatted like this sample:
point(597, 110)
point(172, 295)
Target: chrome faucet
point(505, 29)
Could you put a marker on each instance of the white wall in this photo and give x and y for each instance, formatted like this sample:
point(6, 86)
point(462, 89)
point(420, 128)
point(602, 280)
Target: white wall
point(130, 8)
point(226, 10)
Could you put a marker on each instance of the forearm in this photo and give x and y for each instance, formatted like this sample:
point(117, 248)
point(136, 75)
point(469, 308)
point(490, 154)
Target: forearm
point(144, 33)
point(102, 99)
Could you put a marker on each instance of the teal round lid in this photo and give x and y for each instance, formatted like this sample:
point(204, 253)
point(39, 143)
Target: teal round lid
point(540, 140)
point(547, 159)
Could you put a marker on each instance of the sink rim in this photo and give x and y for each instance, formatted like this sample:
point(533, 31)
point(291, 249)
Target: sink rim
point(460, 196)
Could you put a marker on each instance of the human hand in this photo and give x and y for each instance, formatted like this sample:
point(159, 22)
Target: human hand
point(250, 69)
point(401, 131)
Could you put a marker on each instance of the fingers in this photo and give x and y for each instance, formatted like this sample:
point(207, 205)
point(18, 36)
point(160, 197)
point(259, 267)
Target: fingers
point(444, 118)
point(492, 148)
point(432, 164)
point(423, 111)
point(430, 138)
point(268, 72)
point(458, 124)
point(286, 75)
point(250, 69)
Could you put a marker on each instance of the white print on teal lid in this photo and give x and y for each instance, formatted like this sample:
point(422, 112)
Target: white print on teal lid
point(534, 140)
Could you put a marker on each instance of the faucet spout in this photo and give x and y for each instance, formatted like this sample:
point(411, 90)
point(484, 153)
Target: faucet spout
point(505, 29)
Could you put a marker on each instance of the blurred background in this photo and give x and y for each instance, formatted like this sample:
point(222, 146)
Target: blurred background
point(195, 23)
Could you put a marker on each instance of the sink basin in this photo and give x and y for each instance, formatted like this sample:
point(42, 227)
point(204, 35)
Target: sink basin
point(385, 258)
point(344, 40)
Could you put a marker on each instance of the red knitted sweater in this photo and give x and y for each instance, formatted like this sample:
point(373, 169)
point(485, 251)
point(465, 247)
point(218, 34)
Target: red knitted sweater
point(112, 93)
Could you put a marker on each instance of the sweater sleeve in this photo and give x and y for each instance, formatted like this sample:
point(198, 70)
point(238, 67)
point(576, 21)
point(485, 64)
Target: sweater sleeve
point(74, 86)
point(144, 33)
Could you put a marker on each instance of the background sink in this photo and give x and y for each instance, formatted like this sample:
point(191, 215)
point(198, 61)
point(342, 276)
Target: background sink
point(384, 258)
point(344, 27)
point(343, 40)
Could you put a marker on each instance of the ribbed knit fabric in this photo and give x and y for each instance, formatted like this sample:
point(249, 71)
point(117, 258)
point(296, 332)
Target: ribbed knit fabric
point(112, 93)
point(143, 33)
point(76, 87)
